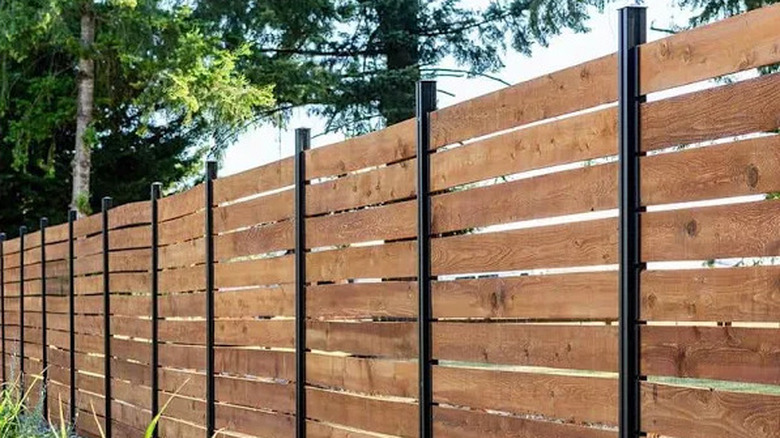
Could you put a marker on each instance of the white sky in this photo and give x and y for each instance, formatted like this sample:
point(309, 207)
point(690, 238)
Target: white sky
point(265, 144)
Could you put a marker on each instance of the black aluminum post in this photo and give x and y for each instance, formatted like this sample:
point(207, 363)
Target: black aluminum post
point(107, 317)
point(22, 232)
point(156, 188)
point(72, 214)
point(44, 328)
point(426, 103)
point(302, 144)
point(211, 175)
point(2, 298)
point(632, 33)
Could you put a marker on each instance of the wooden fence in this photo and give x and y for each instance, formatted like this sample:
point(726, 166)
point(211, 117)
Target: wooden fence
point(525, 269)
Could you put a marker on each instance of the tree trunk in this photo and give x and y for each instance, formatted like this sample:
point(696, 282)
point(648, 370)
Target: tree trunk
point(82, 157)
point(398, 31)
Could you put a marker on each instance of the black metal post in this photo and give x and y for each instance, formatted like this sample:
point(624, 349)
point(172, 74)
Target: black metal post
point(2, 299)
point(211, 175)
point(426, 103)
point(107, 317)
point(22, 232)
point(44, 328)
point(302, 144)
point(632, 33)
point(72, 214)
point(155, 362)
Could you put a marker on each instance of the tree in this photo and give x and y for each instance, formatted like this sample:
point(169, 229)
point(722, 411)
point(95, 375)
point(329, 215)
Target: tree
point(355, 62)
point(163, 92)
point(85, 105)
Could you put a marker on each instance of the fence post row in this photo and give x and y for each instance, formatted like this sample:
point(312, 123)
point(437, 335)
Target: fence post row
point(155, 286)
point(632, 33)
point(211, 175)
point(426, 103)
point(107, 317)
point(72, 315)
point(22, 232)
point(2, 299)
point(302, 144)
point(44, 340)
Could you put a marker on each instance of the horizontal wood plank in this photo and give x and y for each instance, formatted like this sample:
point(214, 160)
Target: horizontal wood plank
point(397, 340)
point(738, 230)
point(746, 167)
point(724, 353)
point(459, 423)
point(367, 376)
point(729, 110)
point(389, 145)
point(574, 244)
point(253, 181)
point(568, 399)
point(703, 413)
point(575, 88)
point(362, 300)
point(568, 296)
point(591, 347)
point(370, 414)
point(699, 54)
point(737, 294)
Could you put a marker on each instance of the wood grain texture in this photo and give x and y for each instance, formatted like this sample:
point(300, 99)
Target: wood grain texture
point(266, 209)
point(259, 272)
point(458, 423)
point(268, 363)
point(574, 244)
point(390, 183)
point(702, 413)
point(249, 421)
point(367, 376)
point(266, 333)
point(260, 179)
point(370, 414)
point(256, 394)
point(182, 254)
point(134, 213)
point(700, 54)
point(556, 346)
point(385, 222)
point(724, 353)
point(263, 301)
point(579, 138)
point(583, 190)
point(182, 228)
point(315, 429)
point(553, 397)
point(572, 89)
point(738, 294)
point(395, 299)
point(391, 260)
point(397, 340)
point(735, 109)
point(183, 280)
point(182, 203)
point(746, 167)
point(389, 145)
point(739, 230)
point(257, 240)
point(530, 297)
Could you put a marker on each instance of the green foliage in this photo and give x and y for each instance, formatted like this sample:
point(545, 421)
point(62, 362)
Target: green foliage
point(165, 91)
point(355, 62)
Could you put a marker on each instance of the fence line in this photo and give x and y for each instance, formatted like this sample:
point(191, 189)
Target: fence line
point(530, 263)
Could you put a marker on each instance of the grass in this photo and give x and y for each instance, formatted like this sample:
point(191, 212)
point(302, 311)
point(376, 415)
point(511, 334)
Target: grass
point(20, 420)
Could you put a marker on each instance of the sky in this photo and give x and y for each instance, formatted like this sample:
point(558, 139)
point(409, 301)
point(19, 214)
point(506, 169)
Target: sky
point(264, 144)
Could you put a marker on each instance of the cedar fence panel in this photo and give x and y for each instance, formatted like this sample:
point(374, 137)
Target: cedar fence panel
point(528, 263)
